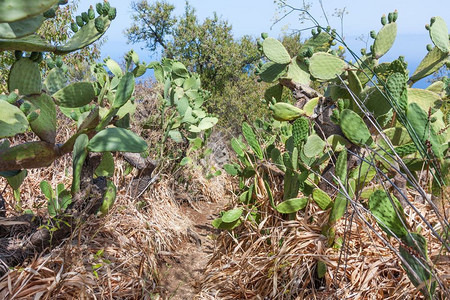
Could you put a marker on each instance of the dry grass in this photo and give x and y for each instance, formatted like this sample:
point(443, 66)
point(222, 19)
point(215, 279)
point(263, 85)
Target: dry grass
point(278, 259)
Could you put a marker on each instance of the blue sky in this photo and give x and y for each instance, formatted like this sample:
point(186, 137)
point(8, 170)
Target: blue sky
point(255, 16)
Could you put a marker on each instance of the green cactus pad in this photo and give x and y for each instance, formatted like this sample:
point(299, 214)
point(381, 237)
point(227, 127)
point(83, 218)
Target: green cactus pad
point(125, 90)
point(437, 87)
point(337, 142)
point(12, 120)
point(338, 209)
point(271, 71)
point(322, 199)
point(78, 156)
point(109, 197)
point(250, 137)
point(314, 146)
point(20, 28)
point(432, 62)
point(45, 125)
point(275, 92)
point(425, 99)
point(378, 105)
point(419, 121)
point(354, 128)
point(85, 36)
point(27, 156)
point(28, 43)
point(56, 79)
point(354, 83)
point(398, 136)
point(285, 112)
point(117, 139)
point(421, 273)
point(396, 85)
point(319, 42)
point(386, 215)
point(292, 205)
point(75, 95)
point(324, 66)
point(25, 76)
point(300, 130)
point(341, 167)
point(275, 51)
point(439, 34)
point(298, 72)
point(405, 150)
point(384, 40)
point(15, 10)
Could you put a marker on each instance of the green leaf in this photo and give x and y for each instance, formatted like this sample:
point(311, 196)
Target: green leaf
point(322, 199)
point(232, 215)
point(114, 67)
point(117, 139)
point(219, 224)
point(176, 136)
point(237, 146)
point(125, 90)
point(292, 205)
point(78, 156)
point(47, 190)
point(250, 137)
point(231, 169)
point(185, 161)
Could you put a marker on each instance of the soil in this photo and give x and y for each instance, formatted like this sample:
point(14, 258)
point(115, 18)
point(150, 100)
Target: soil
point(181, 269)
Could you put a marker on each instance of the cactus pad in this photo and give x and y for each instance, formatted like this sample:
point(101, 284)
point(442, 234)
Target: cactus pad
point(272, 71)
point(285, 112)
point(300, 130)
point(386, 215)
point(56, 79)
point(13, 120)
point(425, 99)
point(298, 72)
point(275, 51)
point(432, 62)
point(396, 84)
point(324, 66)
point(354, 128)
point(384, 40)
point(439, 34)
point(109, 197)
point(20, 28)
point(45, 124)
point(15, 10)
point(314, 146)
point(75, 95)
point(117, 139)
point(322, 199)
point(25, 76)
point(250, 137)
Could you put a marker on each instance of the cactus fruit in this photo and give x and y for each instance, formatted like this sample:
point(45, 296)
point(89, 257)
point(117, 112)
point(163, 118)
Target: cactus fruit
point(99, 8)
point(25, 76)
point(389, 217)
point(373, 34)
point(112, 13)
point(275, 51)
point(31, 117)
point(264, 35)
point(354, 128)
point(99, 25)
point(79, 21)
point(25, 107)
point(324, 66)
point(395, 16)
point(85, 17)
point(429, 47)
point(390, 17)
point(285, 112)
point(91, 13)
point(106, 7)
point(292, 205)
point(439, 34)
point(383, 20)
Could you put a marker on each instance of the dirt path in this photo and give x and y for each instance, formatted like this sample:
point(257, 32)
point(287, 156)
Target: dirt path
point(181, 269)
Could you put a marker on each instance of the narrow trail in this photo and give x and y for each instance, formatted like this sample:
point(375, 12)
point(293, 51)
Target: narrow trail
point(181, 269)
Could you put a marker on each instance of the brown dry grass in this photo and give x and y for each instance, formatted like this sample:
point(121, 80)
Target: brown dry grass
point(277, 259)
